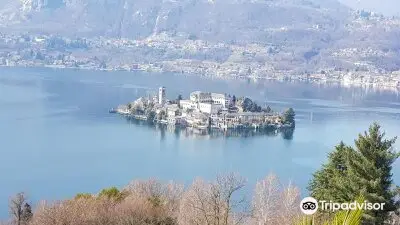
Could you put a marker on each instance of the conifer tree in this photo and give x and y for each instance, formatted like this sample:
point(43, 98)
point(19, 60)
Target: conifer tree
point(288, 116)
point(361, 171)
point(328, 182)
point(370, 172)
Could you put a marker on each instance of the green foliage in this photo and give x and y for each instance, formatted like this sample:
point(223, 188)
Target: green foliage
point(267, 110)
point(20, 210)
point(161, 221)
point(178, 100)
point(287, 133)
point(370, 171)
point(83, 196)
point(138, 111)
point(179, 97)
point(112, 193)
point(26, 212)
point(328, 182)
point(249, 106)
point(306, 220)
point(150, 116)
point(162, 115)
point(365, 170)
point(288, 116)
point(155, 201)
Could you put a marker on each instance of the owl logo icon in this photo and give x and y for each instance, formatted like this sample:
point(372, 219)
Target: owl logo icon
point(309, 205)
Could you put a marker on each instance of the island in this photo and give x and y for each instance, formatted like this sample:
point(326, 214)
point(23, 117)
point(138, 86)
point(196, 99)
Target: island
point(206, 111)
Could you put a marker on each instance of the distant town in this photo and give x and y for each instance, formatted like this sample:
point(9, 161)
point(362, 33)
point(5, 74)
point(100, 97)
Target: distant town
point(205, 110)
point(162, 53)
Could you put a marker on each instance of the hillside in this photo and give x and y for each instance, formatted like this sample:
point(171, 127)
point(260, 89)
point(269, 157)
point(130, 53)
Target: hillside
point(297, 35)
point(218, 20)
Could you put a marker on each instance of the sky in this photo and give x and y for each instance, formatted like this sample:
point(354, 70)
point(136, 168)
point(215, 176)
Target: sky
point(387, 7)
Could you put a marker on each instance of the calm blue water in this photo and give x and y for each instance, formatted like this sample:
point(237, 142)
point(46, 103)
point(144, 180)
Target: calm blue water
point(57, 137)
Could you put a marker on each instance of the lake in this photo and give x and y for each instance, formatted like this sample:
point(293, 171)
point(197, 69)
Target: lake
point(57, 137)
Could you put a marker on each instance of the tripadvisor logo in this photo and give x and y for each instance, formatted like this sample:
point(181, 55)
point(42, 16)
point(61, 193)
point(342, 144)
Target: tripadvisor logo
point(310, 206)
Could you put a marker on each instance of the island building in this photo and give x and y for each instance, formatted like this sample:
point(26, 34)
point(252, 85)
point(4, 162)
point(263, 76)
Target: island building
point(201, 110)
point(161, 96)
point(206, 102)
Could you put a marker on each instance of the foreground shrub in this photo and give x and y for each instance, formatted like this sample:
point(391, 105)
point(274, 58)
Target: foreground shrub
point(101, 211)
point(166, 196)
point(213, 202)
point(113, 194)
point(220, 202)
point(274, 203)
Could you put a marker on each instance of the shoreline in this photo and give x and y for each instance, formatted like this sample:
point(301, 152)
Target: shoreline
point(214, 132)
point(255, 79)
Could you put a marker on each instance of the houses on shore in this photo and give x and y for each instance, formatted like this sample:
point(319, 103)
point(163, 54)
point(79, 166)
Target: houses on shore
point(204, 110)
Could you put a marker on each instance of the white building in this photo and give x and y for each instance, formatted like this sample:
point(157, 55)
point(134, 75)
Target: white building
point(187, 104)
point(161, 96)
point(196, 118)
point(176, 120)
point(207, 97)
point(209, 108)
point(222, 99)
point(200, 97)
point(172, 111)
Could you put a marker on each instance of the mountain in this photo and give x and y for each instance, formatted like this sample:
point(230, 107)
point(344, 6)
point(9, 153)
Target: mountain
point(219, 20)
point(302, 33)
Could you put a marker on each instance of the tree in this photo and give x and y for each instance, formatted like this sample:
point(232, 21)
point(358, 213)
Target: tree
point(253, 108)
point(212, 203)
point(83, 196)
point(112, 193)
point(289, 207)
point(268, 109)
point(288, 116)
point(150, 116)
point(394, 217)
point(327, 183)
point(273, 203)
point(247, 105)
point(161, 115)
point(158, 194)
point(26, 212)
point(365, 170)
point(266, 200)
point(103, 65)
point(287, 133)
point(178, 100)
point(370, 171)
point(19, 209)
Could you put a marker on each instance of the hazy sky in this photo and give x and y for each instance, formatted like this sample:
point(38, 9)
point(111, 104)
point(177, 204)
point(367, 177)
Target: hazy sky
point(388, 7)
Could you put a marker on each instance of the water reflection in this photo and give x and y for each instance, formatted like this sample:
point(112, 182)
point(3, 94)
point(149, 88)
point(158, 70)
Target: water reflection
point(286, 133)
